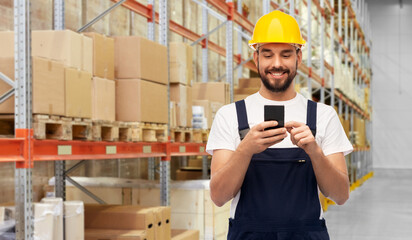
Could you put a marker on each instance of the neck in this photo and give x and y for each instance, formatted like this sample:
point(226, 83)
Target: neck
point(289, 94)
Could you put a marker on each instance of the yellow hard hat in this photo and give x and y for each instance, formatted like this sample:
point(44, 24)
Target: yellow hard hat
point(276, 27)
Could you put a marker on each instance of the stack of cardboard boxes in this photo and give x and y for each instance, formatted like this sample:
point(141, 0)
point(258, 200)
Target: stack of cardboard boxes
point(61, 73)
point(181, 74)
point(103, 85)
point(141, 80)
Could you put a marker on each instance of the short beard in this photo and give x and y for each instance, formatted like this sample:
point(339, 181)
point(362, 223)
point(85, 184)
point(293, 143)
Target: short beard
point(276, 88)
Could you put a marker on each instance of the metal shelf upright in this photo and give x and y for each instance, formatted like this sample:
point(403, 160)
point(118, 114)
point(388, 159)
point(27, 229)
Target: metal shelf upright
point(23, 110)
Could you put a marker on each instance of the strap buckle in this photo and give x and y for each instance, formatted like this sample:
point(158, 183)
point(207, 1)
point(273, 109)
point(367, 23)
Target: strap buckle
point(243, 132)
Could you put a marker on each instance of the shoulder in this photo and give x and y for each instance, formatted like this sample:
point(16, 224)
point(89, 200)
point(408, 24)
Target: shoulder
point(227, 111)
point(325, 112)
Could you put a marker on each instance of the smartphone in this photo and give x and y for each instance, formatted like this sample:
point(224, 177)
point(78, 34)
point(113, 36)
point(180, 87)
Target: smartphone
point(275, 113)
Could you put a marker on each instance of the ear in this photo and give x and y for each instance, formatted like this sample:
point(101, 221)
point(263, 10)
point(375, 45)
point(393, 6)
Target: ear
point(299, 57)
point(255, 57)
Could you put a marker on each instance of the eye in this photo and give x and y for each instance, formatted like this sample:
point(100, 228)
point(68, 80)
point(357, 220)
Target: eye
point(267, 55)
point(287, 55)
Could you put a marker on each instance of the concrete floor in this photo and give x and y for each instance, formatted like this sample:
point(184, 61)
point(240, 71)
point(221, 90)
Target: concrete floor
point(380, 209)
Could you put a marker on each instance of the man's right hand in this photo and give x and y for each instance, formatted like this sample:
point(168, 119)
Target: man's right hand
point(257, 139)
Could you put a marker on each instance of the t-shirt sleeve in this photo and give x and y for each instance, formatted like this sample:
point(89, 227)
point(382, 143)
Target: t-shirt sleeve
point(222, 134)
point(335, 139)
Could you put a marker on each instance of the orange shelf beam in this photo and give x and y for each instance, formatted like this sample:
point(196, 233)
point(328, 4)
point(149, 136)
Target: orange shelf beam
point(48, 150)
point(188, 149)
point(11, 149)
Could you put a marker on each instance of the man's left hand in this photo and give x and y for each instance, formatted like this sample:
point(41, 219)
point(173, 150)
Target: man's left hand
point(301, 136)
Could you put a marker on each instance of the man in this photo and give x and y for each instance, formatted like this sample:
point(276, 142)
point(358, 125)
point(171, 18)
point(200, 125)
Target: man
point(273, 176)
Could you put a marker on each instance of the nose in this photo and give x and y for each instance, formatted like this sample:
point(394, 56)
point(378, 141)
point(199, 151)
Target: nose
point(276, 61)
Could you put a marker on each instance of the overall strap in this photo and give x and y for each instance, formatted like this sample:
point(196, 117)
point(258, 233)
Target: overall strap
point(242, 118)
point(311, 116)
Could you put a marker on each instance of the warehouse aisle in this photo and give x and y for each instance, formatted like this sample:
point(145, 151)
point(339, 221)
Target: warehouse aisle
point(381, 209)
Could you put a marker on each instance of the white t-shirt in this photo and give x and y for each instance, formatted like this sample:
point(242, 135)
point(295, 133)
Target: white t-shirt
point(330, 135)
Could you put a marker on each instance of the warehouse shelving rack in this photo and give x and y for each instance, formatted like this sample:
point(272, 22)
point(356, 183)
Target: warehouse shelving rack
point(24, 150)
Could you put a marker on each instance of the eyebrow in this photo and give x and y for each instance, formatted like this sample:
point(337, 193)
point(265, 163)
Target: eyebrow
point(266, 50)
point(287, 51)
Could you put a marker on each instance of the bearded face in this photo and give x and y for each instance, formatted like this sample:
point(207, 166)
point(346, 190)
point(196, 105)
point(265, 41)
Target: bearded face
point(277, 86)
point(277, 65)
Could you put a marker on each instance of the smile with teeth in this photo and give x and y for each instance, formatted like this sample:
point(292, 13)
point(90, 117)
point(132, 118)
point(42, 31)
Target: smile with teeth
point(277, 74)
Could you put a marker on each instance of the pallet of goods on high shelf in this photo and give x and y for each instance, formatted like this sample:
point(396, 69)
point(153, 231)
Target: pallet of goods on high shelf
point(141, 87)
point(67, 100)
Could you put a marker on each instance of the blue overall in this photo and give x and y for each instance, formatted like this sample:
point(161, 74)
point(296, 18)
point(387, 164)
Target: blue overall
point(279, 195)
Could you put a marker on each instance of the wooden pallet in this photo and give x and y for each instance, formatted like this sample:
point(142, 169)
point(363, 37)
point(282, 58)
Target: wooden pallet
point(103, 130)
point(200, 135)
point(7, 126)
point(148, 132)
point(125, 131)
point(181, 134)
point(61, 128)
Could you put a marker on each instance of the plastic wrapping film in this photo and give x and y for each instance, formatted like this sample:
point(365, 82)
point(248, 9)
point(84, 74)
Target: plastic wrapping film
point(43, 221)
point(57, 216)
point(74, 220)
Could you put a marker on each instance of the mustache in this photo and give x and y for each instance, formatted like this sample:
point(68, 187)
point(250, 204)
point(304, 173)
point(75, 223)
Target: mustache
point(275, 69)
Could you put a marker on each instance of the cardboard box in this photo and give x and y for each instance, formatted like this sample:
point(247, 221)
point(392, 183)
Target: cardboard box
point(140, 58)
point(103, 55)
point(78, 95)
point(180, 234)
point(63, 46)
point(238, 97)
point(66, 46)
point(7, 44)
point(48, 87)
point(182, 95)
point(195, 162)
point(112, 234)
point(189, 173)
point(120, 218)
point(245, 91)
point(7, 68)
point(212, 91)
point(162, 222)
point(103, 99)
point(87, 55)
point(141, 101)
point(250, 83)
point(173, 113)
point(181, 63)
